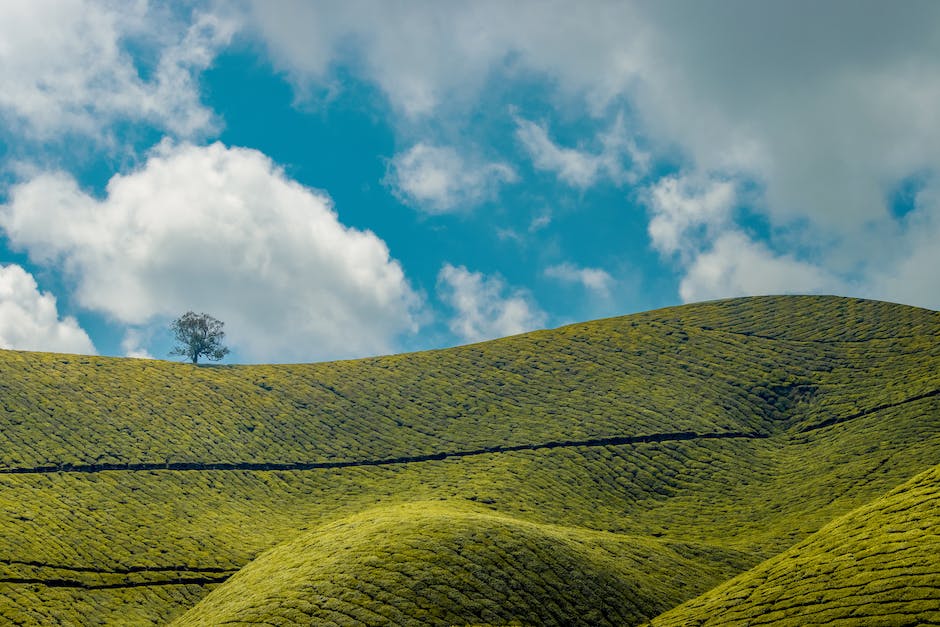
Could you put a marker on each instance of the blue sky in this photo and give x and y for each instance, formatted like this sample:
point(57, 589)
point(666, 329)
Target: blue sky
point(337, 180)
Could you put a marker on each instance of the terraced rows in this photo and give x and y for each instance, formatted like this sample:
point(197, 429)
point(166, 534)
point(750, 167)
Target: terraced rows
point(382, 461)
point(627, 376)
point(428, 563)
point(877, 565)
point(129, 489)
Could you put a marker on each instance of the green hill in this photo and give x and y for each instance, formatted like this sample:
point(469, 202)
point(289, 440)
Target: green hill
point(875, 565)
point(430, 562)
point(599, 473)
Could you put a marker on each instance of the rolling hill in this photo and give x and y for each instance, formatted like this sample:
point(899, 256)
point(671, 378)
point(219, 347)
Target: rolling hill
point(875, 565)
point(601, 473)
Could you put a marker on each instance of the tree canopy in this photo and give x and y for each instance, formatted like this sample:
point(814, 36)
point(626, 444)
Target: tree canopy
point(198, 335)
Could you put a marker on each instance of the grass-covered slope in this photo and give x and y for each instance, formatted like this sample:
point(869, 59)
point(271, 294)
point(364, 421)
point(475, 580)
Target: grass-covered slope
point(878, 565)
point(705, 439)
point(433, 563)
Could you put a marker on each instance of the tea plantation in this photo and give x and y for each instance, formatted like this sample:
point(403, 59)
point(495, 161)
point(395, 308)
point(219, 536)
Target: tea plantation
point(875, 565)
point(783, 449)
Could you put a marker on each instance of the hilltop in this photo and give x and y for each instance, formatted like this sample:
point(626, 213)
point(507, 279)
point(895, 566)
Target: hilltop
point(600, 473)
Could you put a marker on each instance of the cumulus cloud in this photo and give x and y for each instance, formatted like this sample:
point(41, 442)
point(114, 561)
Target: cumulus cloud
point(824, 106)
point(691, 220)
point(686, 209)
point(691, 217)
point(133, 344)
point(221, 230)
point(910, 275)
point(594, 279)
point(427, 54)
point(824, 112)
point(65, 66)
point(29, 319)
point(437, 179)
point(618, 158)
point(737, 266)
point(485, 307)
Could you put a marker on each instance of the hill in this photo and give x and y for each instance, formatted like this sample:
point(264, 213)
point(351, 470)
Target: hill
point(875, 565)
point(603, 472)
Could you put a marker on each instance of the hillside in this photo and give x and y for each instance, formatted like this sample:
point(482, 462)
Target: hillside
point(603, 472)
point(875, 565)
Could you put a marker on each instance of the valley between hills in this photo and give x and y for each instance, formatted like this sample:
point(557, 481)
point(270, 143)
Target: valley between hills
point(753, 461)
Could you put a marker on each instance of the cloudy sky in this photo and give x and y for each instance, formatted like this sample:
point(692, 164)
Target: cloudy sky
point(340, 179)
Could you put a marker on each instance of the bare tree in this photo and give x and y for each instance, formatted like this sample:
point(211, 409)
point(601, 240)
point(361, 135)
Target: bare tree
point(198, 335)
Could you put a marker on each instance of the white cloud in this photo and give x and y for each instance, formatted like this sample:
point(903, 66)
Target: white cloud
point(823, 112)
point(594, 279)
point(133, 344)
point(485, 307)
point(220, 230)
point(910, 275)
point(686, 209)
point(691, 218)
point(29, 319)
point(438, 180)
point(65, 66)
point(737, 266)
point(425, 55)
point(574, 167)
point(540, 221)
point(582, 168)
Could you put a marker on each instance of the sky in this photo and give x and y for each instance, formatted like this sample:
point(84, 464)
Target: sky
point(347, 178)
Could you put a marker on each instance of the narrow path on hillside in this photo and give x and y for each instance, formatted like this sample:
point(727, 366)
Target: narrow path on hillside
point(202, 576)
point(866, 412)
point(779, 338)
point(259, 466)
point(71, 578)
point(677, 436)
point(122, 571)
point(74, 583)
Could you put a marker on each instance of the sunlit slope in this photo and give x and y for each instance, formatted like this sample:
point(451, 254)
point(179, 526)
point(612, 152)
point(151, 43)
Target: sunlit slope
point(696, 368)
point(431, 563)
point(724, 431)
point(878, 565)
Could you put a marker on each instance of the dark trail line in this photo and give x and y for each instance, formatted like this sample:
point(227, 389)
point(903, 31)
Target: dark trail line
point(865, 412)
point(411, 459)
point(289, 466)
point(121, 571)
point(74, 583)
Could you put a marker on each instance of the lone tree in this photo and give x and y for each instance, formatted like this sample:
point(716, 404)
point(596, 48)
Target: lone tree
point(198, 335)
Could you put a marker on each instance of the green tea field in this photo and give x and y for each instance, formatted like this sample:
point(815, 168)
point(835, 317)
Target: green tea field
point(765, 460)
